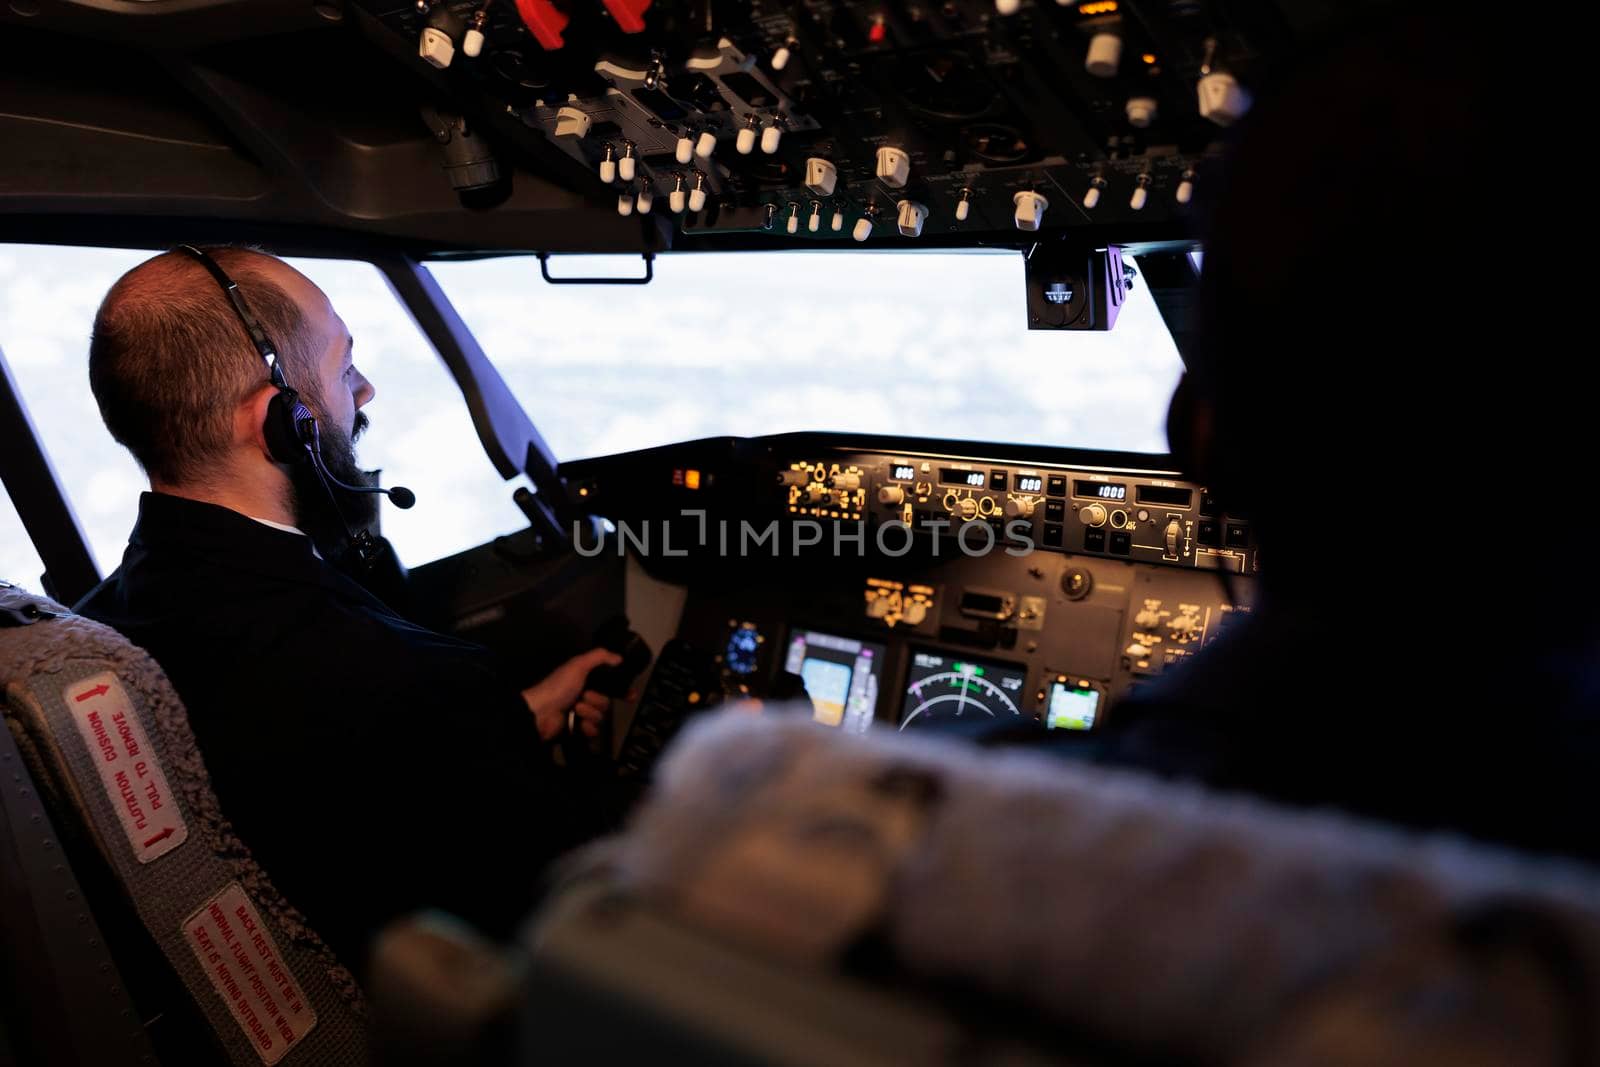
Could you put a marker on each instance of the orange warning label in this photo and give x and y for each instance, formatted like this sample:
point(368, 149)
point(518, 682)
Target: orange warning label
point(129, 771)
point(242, 962)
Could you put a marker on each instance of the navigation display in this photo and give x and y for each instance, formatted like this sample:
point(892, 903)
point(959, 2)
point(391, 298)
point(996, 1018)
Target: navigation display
point(842, 676)
point(1072, 706)
point(951, 689)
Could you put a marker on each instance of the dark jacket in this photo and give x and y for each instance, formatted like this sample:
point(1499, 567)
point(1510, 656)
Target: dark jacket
point(373, 767)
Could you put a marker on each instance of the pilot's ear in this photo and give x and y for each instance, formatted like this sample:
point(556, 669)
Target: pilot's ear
point(249, 419)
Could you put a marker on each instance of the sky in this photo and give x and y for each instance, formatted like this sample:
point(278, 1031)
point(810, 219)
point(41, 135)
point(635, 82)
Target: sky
point(925, 343)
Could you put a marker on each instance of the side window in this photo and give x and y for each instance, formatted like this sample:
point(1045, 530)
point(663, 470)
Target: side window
point(421, 433)
point(19, 563)
point(48, 297)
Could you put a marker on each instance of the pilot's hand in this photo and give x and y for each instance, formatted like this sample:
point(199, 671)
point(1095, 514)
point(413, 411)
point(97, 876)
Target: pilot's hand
point(563, 692)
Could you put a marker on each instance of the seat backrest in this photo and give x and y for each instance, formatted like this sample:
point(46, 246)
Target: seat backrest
point(108, 743)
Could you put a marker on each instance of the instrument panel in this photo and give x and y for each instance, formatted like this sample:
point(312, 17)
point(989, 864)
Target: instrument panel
point(895, 586)
point(1145, 515)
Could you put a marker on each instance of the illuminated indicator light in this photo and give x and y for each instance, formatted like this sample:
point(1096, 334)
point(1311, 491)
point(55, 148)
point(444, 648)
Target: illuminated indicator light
point(1100, 7)
point(1149, 57)
point(694, 698)
point(584, 491)
point(878, 31)
point(691, 479)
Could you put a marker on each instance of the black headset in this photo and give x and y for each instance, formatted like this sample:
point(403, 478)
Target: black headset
point(290, 428)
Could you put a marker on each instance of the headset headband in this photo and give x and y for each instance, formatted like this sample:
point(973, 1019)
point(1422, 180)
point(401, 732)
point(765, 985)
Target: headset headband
point(230, 289)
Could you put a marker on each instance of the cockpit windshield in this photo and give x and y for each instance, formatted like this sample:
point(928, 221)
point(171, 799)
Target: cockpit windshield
point(930, 344)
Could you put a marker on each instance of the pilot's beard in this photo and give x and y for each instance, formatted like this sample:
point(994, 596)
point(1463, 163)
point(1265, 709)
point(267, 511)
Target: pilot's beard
point(313, 512)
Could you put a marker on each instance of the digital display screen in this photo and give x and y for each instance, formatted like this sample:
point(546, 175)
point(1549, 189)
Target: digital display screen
point(742, 655)
point(842, 675)
point(955, 476)
point(1173, 495)
point(1101, 490)
point(902, 473)
point(954, 690)
point(1030, 483)
point(1071, 707)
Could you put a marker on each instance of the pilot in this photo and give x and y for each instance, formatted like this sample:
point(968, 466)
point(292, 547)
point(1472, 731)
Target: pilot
point(372, 766)
point(1371, 390)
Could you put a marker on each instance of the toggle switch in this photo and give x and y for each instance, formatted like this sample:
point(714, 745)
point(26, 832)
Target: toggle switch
point(1030, 209)
point(705, 144)
point(608, 166)
point(910, 218)
point(838, 220)
point(1141, 111)
point(646, 199)
point(472, 43)
point(685, 150)
point(894, 167)
point(745, 142)
point(1141, 194)
point(814, 223)
point(625, 204)
point(1091, 196)
point(436, 47)
point(627, 165)
point(964, 205)
point(675, 199)
point(1222, 99)
point(697, 196)
point(572, 122)
point(1186, 188)
point(770, 138)
point(821, 177)
point(1105, 55)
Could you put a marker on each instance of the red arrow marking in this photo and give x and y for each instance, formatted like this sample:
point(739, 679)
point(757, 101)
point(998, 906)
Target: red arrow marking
point(98, 691)
point(162, 836)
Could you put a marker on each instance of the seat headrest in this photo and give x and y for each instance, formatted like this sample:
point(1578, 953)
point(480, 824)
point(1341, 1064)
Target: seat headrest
point(109, 744)
point(1162, 916)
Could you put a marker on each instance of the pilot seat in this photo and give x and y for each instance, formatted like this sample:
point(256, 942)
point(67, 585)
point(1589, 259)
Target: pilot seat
point(138, 927)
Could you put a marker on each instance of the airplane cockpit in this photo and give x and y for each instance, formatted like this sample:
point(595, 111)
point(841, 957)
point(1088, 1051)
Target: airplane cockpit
point(1008, 626)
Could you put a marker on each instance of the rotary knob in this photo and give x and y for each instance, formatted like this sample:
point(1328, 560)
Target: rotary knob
point(1093, 514)
point(967, 509)
point(1020, 508)
point(793, 477)
point(815, 493)
point(892, 495)
point(1076, 582)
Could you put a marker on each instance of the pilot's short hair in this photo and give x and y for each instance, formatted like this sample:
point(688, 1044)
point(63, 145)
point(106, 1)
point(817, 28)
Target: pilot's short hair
point(169, 360)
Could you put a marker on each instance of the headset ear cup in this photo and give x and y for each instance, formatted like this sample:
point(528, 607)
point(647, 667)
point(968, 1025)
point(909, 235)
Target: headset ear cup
point(281, 430)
